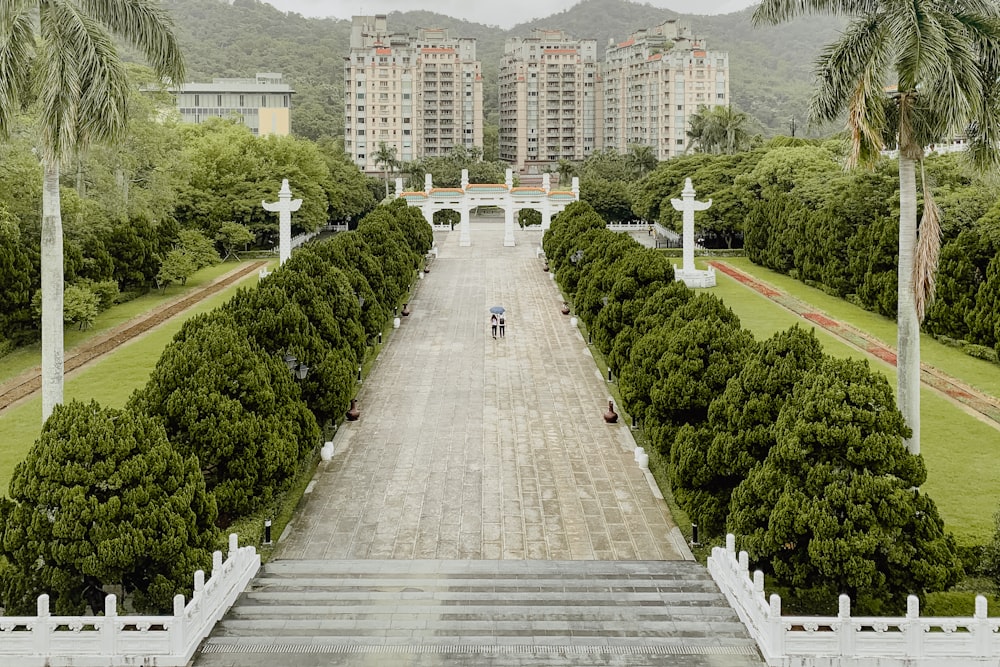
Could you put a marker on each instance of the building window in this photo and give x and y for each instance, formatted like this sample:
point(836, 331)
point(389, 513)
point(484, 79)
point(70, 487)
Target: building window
point(197, 101)
point(263, 100)
point(218, 100)
point(284, 101)
point(241, 101)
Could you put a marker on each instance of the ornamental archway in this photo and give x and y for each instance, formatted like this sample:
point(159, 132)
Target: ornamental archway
point(504, 196)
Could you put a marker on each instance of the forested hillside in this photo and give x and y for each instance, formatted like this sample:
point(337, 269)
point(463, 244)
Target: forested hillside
point(771, 67)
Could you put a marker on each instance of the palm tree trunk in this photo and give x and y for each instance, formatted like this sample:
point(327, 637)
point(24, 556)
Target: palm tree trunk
point(908, 334)
point(52, 291)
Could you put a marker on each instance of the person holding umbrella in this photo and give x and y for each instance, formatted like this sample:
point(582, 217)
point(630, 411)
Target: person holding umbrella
point(496, 320)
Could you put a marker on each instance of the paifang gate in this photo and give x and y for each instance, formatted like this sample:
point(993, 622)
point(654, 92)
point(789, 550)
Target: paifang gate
point(505, 196)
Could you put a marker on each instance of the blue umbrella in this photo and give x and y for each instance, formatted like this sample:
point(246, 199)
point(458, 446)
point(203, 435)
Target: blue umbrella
point(498, 309)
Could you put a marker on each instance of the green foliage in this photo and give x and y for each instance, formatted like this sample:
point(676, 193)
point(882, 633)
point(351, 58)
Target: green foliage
point(709, 462)
point(833, 506)
point(221, 398)
point(676, 369)
point(101, 500)
point(80, 306)
point(232, 235)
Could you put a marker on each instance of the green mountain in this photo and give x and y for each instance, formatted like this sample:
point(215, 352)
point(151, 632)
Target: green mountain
point(771, 68)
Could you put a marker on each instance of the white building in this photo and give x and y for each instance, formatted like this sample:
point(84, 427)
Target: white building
point(421, 94)
point(550, 101)
point(654, 81)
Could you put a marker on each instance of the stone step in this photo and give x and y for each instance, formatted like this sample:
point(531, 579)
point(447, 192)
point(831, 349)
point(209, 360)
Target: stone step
point(499, 568)
point(483, 608)
point(696, 602)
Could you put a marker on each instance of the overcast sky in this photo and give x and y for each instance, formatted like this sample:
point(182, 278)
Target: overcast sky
point(504, 13)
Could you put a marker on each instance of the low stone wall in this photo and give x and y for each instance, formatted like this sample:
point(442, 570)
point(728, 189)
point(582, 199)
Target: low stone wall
point(112, 640)
point(851, 641)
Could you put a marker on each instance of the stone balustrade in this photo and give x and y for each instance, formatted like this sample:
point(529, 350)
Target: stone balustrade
point(851, 641)
point(111, 640)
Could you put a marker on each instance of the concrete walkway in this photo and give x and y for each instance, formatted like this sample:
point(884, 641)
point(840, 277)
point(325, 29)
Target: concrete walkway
point(475, 448)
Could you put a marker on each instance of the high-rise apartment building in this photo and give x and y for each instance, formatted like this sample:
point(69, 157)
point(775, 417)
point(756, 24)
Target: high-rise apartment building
point(262, 103)
point(654, 81)
point(550, 100)
point(420, 95)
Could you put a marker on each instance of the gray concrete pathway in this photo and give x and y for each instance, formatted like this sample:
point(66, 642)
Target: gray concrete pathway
point(475, 448)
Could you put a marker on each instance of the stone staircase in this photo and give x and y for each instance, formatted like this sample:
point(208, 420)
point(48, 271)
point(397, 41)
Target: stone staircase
point(477, 612)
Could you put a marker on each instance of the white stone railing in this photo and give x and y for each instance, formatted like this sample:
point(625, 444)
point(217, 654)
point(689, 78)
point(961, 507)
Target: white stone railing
point(112, 640)
point(851, 641)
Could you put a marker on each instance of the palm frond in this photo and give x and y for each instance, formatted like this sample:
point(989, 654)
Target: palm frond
point(772, 12)
point(841, 65)
point(147, 27)
point(17, 50)
point(83, 84)
point(925, 260)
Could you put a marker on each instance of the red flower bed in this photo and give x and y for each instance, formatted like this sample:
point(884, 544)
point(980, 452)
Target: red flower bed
point(745, 279)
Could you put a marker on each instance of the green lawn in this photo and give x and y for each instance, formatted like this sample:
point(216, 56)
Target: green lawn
point(29, 356)
point(110, 381)
point(960, 451)
point(980, 374)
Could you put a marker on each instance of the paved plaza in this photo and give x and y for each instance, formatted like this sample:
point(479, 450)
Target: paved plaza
point(475, 448)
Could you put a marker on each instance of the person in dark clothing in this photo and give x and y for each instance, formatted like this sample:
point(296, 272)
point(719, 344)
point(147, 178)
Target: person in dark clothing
point(493, 324)
point(502, 325)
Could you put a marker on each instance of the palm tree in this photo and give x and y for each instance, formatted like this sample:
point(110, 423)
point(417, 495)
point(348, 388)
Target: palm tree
point(63, 52)
point(641, 159)
point(942, 58)
point(386, 157)
point(565, 169)
point(720, 129)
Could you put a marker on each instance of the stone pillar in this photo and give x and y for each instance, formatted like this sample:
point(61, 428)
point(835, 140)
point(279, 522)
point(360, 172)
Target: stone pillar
point(428, 183)
point(546, 212)
point(576, 187)
point(399, 187)
point(509, 178)
point(464, 238)
point(284, 208)
point(545, 182)
point(508, 224)
point(687, 206)
point(465, 178)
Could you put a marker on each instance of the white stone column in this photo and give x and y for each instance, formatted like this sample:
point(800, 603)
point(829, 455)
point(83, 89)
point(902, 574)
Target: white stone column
point(509, 178)
point(508, 223)
point(284, 208)
point(687, 206)
point(399, 187)
point(464, 237)
point(576, 187)
point(546, 212)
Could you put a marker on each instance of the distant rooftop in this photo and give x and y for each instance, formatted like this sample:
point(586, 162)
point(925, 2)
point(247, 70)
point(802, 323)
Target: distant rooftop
point(263, 82)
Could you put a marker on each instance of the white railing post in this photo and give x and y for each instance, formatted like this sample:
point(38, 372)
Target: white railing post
point(198, 599)
point(912, 628)
point(178, 640)
point(109, 626)
point(41, 632)
point(980, 626)
point(845, 627)
point(775, 641)
point(234, 544)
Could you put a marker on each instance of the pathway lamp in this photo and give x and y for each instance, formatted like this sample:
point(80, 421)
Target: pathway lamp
point(295, 367)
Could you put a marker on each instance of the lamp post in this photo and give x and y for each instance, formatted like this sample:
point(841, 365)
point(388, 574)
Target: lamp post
point(295, 367)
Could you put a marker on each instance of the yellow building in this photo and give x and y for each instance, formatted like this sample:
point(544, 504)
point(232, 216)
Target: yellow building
point(263, 103)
